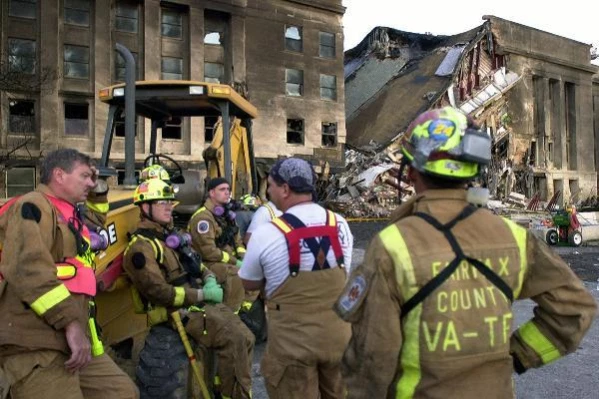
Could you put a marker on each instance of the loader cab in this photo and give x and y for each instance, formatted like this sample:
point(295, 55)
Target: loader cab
point(228, 155)
point(161, 103)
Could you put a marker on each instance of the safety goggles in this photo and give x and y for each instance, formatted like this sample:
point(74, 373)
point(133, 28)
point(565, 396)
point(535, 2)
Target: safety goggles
point(164, 202)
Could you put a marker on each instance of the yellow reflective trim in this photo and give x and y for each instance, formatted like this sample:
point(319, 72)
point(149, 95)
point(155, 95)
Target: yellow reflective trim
point(50, 299)
point(225, 257)
point(202, 209)
point(66, 271)
point(179, 296)
point(241, 250)
point(534, 338)
point(271, 211)
point(332, 219)
point(519, 234)
point(101, 207)
point(282, 225)
point(158, 252)
point(397, 249)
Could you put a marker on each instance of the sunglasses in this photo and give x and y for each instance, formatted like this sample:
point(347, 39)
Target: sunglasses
point(164, 202)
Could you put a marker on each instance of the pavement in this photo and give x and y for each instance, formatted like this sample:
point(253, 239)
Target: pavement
point(574, 376)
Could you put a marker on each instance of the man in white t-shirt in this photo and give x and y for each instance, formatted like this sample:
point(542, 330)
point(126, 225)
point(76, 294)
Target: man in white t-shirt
point(301, 261)
point(264, 214)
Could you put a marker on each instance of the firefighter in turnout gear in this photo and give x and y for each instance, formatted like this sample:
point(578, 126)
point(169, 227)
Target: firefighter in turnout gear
point(168, 275)
point(215, 237)
point(300, 261)
point(49, 345)
point(436, 287)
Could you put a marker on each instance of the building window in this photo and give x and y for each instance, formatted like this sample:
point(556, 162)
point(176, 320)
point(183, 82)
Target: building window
point(295, 131)
point(76, 12)
point(293, 38)
point(76, 119)
point(23, 8)
point(172, 129)
point(119, 67)
point(22, 56)
point(119, 124)
point(172, 23)
point(327, 45)
point(329, 134)
point(21, 116)
point(209, 123)
point(214, 38)
point(213, 72)
point(126, 17)
point(328, 87)
point(76, 61)
point(294, 82)
point(172, 68)
point(19, 181)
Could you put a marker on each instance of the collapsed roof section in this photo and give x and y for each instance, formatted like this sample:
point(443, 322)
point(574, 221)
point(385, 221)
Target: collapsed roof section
point(392, 76)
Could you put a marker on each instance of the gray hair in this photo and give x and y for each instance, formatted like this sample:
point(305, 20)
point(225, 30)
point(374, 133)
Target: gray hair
point(63, 158)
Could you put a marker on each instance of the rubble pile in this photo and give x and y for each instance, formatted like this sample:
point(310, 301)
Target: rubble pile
point(368, 187)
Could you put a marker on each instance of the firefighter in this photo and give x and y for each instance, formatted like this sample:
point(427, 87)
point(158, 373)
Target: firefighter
point(216, 238)
point(168, 276)
point(300, 260)
point(264, 214)
point(431, 306)
point(48, 338)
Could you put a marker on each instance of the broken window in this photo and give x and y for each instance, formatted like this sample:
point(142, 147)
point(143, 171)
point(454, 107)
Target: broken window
point(22, 55)
point(328, 87)
point(19, 181)
point(329, 134)
point(293, 38)
point(327, 45)
point(120, 67)
point(76, 61)
point(171, 23)
point(214, 38)
point(172, 129)
point(171, 68)
point(126, 17)
point(76, 12)
point(23, 8)
point(295, 131)
point(294, 82)
point(21, 116)
point(76, 119)
point(214, 72)
point(209, 122)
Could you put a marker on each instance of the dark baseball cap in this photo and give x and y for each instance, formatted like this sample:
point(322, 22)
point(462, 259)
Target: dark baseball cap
point(297, 173)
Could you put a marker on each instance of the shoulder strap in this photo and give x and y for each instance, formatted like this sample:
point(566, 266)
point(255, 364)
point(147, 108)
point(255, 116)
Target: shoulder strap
point(440, 278)
point(151, 237)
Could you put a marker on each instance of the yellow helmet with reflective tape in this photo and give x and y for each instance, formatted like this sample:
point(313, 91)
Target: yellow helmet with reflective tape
point(153, 190)
point(443, 142)
point(154, 172)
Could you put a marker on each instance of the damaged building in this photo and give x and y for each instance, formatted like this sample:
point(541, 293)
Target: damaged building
point(532, 91)
point(285, 56)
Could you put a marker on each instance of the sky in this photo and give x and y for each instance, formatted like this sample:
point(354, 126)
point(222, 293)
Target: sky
point(574, 19)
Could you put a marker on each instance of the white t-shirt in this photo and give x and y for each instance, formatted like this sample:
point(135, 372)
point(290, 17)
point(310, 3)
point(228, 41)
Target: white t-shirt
point(267, 255)
point(261, 216)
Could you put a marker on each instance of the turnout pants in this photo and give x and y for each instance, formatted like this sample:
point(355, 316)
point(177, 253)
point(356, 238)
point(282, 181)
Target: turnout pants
point(217, 327)
point(226, 276)
point(41, 374)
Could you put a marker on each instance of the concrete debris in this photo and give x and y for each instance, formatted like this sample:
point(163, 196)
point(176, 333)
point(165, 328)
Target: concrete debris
point(368, 187)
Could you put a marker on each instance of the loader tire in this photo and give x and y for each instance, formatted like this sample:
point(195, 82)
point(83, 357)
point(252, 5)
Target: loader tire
point(163, 370)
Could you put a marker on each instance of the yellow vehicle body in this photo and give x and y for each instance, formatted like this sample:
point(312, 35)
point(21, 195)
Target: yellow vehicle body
point(162, 100)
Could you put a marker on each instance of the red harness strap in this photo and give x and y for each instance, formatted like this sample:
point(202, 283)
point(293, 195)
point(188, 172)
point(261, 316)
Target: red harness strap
point(296, 232)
